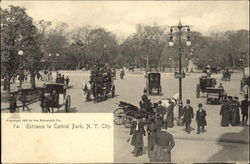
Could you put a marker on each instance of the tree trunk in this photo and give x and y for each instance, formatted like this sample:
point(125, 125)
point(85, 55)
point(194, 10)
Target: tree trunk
point(7, 83)
point(32, 80)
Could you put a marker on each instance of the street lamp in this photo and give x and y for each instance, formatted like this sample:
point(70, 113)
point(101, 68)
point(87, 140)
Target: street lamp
point(20, 53)
point(56, 65)
point(170, 62)
point(180, 75)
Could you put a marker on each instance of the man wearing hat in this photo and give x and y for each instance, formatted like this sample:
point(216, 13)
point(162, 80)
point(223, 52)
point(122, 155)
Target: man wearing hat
point(163, 144)
point(201, 118)
point(245, 105)
point(151, 130)
point(137, 130)
point(188, 115)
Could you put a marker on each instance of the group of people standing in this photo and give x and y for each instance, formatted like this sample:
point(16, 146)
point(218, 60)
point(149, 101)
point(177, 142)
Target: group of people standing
point(62, 80)
point(230, 111)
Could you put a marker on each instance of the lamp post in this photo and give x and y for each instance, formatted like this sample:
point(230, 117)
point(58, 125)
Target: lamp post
point(180, 75)
point(170, 62)
point(55, 65)
point(20, 53)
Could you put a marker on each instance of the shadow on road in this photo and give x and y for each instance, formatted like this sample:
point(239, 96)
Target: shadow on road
point(233, 152)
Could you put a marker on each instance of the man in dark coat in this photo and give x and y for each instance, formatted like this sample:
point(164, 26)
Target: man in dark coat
point(163, 144)
point(160, 110)
point(201, 118)
point(151, 130)
point(137, 130)
point(12, 103)
point(245, 105)
point(225, 113)
point(188, 115)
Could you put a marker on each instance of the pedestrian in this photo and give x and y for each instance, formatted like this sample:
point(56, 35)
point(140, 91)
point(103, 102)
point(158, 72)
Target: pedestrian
point(220, 86)
point(151, 130)
point(163, 144)
point(188, 115)
point(63, 79)
point(245, 105)
point(23, 99)
point(170, 115)
point(160, 110)
point(236, 100)
point(12, 103)
point(234, 108)
point(225, 113)
point(67, 80)
point(201, 118)
point(137, 131)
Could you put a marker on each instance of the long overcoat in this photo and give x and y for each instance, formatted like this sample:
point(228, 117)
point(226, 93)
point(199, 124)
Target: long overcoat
point(225, 114)
point(137, 138)
point(188, 114)
point(201, 117)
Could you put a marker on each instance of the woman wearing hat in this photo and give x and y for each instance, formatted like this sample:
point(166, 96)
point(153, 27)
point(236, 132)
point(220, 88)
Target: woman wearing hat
point(151, 130)
point(225, 113)
point(137, 130)
point(201, 118)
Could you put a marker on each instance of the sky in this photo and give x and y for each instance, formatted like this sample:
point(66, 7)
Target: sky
point(121, 17)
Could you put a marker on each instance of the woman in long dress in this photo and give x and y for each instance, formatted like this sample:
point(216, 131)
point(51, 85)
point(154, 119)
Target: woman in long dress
point(225, 114)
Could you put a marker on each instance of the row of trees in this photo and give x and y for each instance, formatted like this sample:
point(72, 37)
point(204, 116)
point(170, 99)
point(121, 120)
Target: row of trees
point(84, 46)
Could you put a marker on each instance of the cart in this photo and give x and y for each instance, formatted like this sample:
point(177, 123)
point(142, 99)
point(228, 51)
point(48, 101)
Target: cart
point(214, 95)
point(153, 84)
point(204, 83)
point(56, 96)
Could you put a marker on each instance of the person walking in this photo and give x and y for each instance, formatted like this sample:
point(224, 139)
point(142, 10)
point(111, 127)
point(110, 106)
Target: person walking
point(170, 115)
point(225, 113)
point(201, 118)
point(12, 103)
point(236, 100)
point(234, 108)
point(163, 144)
point(188, 115)
point(67, 80)
point(151, 130)
point(245, 105)
point(137, 131)
point(160, 110)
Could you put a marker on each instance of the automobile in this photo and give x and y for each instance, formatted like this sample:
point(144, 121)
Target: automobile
point(214, 95)
point(153, 83)
point(204, 83)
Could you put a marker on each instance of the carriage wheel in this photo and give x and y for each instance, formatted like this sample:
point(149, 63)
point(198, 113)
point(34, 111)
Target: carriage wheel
point(119, 116)
point(67, 104)
point(197, 91)
point(113, 92)
point(128, 118)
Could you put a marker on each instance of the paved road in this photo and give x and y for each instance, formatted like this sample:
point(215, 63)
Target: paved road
point(204, 147)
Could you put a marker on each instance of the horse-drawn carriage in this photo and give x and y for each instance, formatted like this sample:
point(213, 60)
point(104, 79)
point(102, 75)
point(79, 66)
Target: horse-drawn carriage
point(55, 96)
point(126, 112)
point(153, 84)
point(101, 85)
point(204, 83)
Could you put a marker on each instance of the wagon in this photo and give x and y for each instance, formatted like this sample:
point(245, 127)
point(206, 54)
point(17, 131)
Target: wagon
point(214, 95)
point(153, 83)
point(59, 99)
point(204, 83)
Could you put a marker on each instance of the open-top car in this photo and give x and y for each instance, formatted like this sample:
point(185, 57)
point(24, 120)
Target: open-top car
point(204, 83)
point(153, 83)
point(214, 95)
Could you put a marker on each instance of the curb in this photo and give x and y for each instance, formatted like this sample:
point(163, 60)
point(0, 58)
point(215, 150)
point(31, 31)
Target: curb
point(212, 139)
